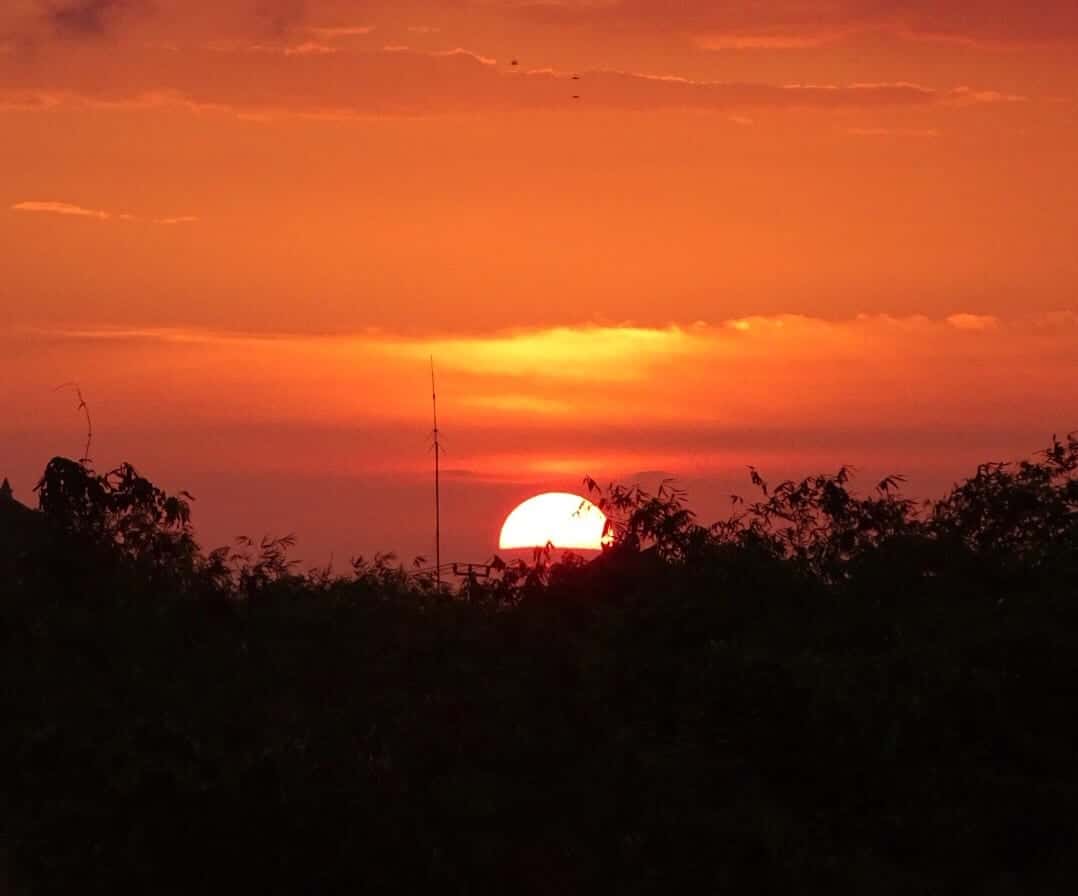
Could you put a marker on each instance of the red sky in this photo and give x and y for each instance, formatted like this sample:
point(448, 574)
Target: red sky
point(794, 234)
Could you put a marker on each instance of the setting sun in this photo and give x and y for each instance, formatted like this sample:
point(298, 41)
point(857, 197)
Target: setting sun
point(567, 521)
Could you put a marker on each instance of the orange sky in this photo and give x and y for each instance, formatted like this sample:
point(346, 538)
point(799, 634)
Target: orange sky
point(795, 234)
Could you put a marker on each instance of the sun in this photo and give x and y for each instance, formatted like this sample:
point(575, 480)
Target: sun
point(567, 521)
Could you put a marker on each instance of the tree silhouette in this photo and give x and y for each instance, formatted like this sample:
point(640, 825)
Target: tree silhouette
point(824, 691)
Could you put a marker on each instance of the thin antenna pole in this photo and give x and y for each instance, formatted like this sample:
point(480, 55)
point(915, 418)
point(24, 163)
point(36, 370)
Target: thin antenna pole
point(437, 485)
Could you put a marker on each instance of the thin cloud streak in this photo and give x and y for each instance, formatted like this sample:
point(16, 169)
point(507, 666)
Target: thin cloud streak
point(792, 24)
point(894, 132)
point(328, 33)
point(70, 209)
point(62, 208)
point(314, 79)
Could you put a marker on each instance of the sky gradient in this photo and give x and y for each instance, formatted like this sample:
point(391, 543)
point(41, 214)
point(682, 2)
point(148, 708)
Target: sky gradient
point(673, 238)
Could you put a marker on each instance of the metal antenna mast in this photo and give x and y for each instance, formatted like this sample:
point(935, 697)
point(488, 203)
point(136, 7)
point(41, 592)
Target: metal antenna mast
point(437, 485)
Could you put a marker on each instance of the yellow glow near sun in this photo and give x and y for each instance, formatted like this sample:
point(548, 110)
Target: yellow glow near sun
point(567, 521)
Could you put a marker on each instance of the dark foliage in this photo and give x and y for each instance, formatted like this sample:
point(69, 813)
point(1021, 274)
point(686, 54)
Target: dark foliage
point(823, 693)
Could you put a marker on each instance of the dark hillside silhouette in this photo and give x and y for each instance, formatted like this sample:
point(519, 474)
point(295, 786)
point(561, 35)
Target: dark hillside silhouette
point(826, 692)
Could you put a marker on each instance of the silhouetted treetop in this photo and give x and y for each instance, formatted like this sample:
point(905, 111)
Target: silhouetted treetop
point(826, 691)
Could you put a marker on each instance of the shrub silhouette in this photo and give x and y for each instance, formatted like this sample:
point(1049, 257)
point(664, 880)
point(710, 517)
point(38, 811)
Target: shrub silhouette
point(824, 691)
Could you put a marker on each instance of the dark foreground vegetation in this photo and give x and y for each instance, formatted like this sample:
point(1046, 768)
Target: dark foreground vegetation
point(827, 693)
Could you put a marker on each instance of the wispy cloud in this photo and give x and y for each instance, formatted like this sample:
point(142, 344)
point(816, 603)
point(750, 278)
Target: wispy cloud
point(805, 23)
point(77, 211)
point(62, 208)
point(788, 39)
point(519, 404)
point(973, 321)
point(334, 31)
point(308, 48)
point(969, 95)
point(316, 78)
point(894, 132)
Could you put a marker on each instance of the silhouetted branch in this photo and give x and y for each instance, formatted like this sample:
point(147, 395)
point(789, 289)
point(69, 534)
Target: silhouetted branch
point(82, 406)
